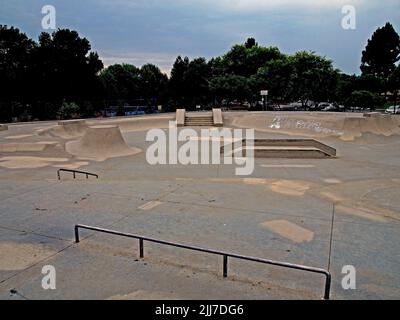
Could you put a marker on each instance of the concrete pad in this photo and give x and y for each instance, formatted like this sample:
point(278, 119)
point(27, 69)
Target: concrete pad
point(208, 206)
point(289, 230)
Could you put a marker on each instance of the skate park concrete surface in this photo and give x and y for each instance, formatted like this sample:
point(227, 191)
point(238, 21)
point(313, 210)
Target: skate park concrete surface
point(283, 211)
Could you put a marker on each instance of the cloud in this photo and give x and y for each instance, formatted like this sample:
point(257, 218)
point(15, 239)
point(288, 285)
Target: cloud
point(236, 5)
point(253, 5)
point(163, 60)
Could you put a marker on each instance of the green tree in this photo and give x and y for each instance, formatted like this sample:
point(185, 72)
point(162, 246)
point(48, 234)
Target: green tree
point(365, 99)
point(235, 61)
point(313, 78)
point(189, 83)
point(243, 61)
point(371, 83)
point(121, 82)
point(394, 80)
point(68, 110)
point(345, 86)
point(196, 78)
point(15, 55)
point(381, 53)
point(177, 84)
point(63, 64)
point(276, 76)
point(394, 83)
point(153, 83)
point(230, 88)
point(250, 43)
point(258, 57)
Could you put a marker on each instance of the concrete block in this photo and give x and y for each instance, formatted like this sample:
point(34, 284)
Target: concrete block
point(217, 118)
point(180, 117)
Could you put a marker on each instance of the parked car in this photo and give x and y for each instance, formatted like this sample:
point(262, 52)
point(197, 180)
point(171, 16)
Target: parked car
point(393, 110)
point(319, 106)
point(356, 109)
point(296, 106)
point(284, 107)
point(327, 107)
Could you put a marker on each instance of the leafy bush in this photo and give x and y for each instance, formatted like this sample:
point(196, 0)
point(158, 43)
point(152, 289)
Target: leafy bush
point(68, 110)
point(365, 99)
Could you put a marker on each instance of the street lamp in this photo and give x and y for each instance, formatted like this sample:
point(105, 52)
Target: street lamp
point(264, 95)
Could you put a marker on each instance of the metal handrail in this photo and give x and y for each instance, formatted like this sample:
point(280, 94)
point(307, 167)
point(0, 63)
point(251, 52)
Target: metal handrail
point(225, 255)
point(75, 172)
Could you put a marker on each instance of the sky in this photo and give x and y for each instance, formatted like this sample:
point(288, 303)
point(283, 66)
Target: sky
point(157, 31)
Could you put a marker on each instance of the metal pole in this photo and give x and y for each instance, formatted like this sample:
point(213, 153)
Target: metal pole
point(141, 249)
point(327, 287)
point(76, 234)
point(331, 239)
point(225, 266)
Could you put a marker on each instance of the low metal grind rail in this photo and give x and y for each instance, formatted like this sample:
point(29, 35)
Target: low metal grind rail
point(225, 255)
point(75, 172)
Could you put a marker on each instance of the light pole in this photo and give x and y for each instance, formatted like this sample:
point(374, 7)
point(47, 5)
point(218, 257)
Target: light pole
point(264, 95)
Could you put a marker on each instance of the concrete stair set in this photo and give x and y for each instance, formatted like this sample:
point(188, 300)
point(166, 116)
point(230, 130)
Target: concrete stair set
point(199, 121)
point(209, 119)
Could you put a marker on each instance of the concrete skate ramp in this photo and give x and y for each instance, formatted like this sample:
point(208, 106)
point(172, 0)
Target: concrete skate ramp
point(65, 130)
point(345, 126)
point(384, 125)
point(138, 123)
point(100, 143)
point(29, 147)
point(3, 127)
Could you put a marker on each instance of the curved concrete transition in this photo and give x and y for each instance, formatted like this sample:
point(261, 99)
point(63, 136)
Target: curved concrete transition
point(29, 146)
point(345, 126)
point(3, 127)
point(100, 143)
point(136, 124)
point(70, 129)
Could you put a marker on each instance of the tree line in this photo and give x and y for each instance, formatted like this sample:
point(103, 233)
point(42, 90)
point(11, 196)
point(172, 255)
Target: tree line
point(59, 76)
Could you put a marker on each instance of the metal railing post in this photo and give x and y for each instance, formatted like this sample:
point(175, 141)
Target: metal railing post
point(225, 272)
point(77, 234)
point(327, 286)
point(141, 248)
